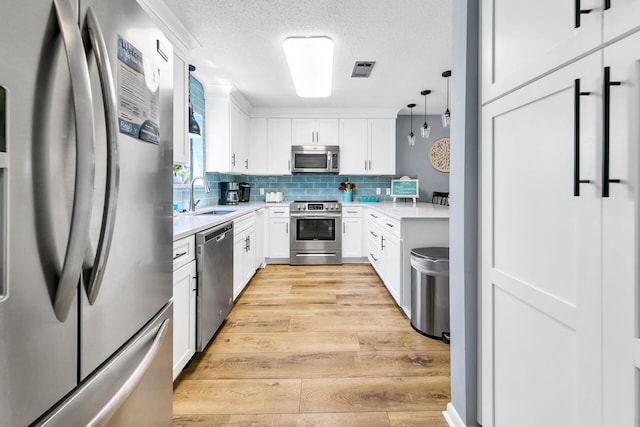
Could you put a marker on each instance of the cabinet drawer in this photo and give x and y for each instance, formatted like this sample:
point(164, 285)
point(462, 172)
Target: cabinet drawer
point(243, 223)
point(376, 217)
point(391, 226)
point(279, 211)
point(184, 251)
point(352, 212)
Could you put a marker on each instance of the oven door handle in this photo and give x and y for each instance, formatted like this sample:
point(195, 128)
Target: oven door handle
point(315, 216)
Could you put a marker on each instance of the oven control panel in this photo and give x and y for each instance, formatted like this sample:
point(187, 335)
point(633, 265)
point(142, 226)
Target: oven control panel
point(316, 206)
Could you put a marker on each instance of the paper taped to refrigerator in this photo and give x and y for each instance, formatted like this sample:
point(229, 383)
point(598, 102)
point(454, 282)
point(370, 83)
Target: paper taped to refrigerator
point(138, 91)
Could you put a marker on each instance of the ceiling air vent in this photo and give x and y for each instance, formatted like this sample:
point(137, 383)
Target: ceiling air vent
point(363, 69)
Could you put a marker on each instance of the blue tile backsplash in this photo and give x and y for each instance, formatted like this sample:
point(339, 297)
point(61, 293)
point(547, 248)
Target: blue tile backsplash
point(294, 187)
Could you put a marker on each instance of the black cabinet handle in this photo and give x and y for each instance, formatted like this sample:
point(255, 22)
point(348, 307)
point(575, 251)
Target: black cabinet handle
point(606, 103)
point(576, 138)
point(607, 4)
point(579, 12)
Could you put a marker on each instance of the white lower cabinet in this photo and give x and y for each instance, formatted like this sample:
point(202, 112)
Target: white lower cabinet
point(244, 255)
point(384, 254)
point(184, 303)
point(352, 239)
point(259, 241)
point(278, 241)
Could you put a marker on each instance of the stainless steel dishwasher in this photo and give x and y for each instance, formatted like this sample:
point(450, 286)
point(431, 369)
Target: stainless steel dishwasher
point(214, 261)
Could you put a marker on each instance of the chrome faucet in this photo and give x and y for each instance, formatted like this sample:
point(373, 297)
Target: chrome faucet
point(194, 203)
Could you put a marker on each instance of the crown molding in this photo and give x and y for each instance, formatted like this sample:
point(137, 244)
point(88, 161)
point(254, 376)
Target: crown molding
point(170, 25)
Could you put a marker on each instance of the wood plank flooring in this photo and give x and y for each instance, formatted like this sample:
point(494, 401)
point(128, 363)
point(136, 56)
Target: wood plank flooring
point(321, 346)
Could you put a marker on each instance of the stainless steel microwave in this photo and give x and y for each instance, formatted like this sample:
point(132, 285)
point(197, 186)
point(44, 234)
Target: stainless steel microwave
point(315, 159)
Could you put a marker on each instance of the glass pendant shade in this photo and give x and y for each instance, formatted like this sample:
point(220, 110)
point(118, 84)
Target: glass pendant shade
point(411, 138)
point(446, 119)
point(194, 127)
point(426, 130)
point(446, 116)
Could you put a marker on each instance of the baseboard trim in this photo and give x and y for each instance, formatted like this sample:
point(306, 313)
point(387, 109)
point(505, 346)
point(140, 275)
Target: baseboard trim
point(452, 417)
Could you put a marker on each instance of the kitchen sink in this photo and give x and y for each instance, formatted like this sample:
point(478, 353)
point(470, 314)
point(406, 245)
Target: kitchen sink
point(216, 212)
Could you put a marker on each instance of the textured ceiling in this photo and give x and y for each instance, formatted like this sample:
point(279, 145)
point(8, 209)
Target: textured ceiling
point(410, 40)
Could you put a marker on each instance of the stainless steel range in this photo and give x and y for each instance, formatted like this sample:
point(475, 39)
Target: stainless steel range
point(315, 232)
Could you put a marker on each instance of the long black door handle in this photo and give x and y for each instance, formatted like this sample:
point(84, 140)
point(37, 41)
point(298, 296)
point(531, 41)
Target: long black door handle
point(576, 138)
point(607, 4)
point(579, 12)
point(606, 104)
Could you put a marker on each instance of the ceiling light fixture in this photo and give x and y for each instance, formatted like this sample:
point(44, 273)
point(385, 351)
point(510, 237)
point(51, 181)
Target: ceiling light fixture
point(411, 138)
point(426, 129)
point(310, 61)
point(194, 127)
point(446, 116)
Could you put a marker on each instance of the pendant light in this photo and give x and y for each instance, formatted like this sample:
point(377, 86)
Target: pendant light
point(411, 138)
point(446, 116)
point(426, 129)
point(194, 127)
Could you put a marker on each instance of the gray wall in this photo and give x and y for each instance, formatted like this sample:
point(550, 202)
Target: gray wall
point(413, 161)
point(463, 230)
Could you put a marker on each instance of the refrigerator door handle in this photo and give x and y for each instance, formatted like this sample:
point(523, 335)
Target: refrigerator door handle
point(93, 276)
point(83, 194)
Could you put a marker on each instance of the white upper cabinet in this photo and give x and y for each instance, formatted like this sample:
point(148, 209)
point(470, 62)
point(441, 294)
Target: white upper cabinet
point(257, 146)
point(279, 146)
point(227, 132)
point(367, 146)
point(315, 131)
point(181, 152)
point(620, 17)
point(523, 39)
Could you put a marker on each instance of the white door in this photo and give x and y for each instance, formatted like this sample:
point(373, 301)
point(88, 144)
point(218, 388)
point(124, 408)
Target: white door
point(303, 131)
point(257, 152)
point(279, 237)
point(353, 146)
point(184, 316)
point(382, 147)
point(327, 132)
point(279, 143)
point(620, 238)
point(541, 254)
point(522, 39)
point(620, 17)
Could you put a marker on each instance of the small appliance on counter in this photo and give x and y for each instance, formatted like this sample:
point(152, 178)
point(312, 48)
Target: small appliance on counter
point(244, 192)
point(228, 193)
point(274, 197)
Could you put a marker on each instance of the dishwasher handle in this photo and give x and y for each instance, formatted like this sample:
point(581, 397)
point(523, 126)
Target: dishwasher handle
point(217, 233)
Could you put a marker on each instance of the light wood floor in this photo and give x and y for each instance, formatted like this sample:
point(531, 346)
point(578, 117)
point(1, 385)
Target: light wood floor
point(315, 346)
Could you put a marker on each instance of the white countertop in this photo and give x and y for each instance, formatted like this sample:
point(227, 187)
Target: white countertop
point(402, 210)
point(187, 223)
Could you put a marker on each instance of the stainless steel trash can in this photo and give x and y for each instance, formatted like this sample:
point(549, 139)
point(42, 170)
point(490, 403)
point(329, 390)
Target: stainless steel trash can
point(430, 292)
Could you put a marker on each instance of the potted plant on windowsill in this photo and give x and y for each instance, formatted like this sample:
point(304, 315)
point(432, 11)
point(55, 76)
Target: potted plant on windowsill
point(180, 173)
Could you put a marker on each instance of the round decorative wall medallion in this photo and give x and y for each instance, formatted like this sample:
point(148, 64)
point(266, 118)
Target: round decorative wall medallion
point(439, 155)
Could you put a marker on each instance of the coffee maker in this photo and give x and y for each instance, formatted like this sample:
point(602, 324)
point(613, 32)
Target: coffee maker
point(245, 192)
point(228, 193)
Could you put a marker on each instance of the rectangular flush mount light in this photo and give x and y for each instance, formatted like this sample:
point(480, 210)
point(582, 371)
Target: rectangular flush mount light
point(310, 62)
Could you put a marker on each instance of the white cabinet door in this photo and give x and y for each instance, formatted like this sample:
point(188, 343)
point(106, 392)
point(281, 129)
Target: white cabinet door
point(382, 147)
point(237, 139)
point(621, 17)
point(279, 237)
point(351, 237)
point(354, 147)
point(184, 316)
point(259, 238)
point(258, 147)
point(327, 131)
point(541, 264)
point(181, 152)
point(367, 146)
point(279, 142)
point(239, 249)
point(620, 237)
point(249, 260)
point(393, 266)
point(303, 131)
point(523, 39)
point(315, 131)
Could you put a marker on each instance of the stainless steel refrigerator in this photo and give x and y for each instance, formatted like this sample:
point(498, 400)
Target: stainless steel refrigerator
point(85, 215)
